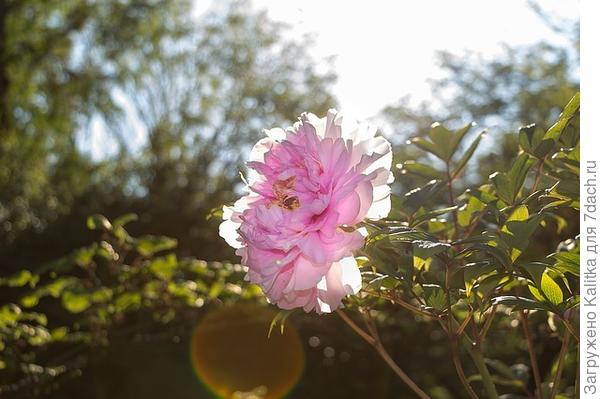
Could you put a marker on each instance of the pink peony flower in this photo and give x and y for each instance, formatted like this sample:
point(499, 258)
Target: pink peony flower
point(309, 187)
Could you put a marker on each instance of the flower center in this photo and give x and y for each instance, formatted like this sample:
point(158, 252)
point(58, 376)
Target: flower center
point(284, 194)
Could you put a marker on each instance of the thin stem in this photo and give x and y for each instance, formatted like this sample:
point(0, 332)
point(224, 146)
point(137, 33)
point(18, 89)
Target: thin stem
point(465, 323)
point(561, 363)
point(532, 357)
point(376, 343)
point(487, 324)
point(472, 226)
point(451, 198)
point(570, 328)
point(455, 355)
point(363, 334)
point(402, 303)
point(538, 175)
point(459, 369)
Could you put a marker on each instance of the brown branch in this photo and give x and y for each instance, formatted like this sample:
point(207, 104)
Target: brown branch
point(376, 343)
point(464, 324)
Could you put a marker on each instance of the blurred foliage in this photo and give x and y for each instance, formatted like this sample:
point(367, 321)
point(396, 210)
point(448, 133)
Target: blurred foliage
point(120, 286)
point(123, 107)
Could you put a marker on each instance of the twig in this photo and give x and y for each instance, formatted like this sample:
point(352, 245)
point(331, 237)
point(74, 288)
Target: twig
point(363, 334)
point(384, 355)
point(402, 303)
point(464, 323)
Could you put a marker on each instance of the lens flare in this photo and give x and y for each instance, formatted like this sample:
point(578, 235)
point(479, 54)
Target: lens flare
point(234, 358)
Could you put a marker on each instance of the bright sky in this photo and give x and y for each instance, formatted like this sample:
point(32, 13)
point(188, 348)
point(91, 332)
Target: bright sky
point(385, 49)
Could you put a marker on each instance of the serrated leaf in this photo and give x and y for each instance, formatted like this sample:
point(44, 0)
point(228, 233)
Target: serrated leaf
point(435, 296)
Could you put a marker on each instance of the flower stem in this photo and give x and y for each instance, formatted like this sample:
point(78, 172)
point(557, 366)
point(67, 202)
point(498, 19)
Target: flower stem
point(376, 343)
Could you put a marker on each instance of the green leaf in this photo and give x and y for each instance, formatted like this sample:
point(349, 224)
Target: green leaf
point(20, 279)
point(98, 222)
point(508, 185)
point(414, 199)
point(551, 289)
point(518, 229)
point(489, 284)
point(571, 109)
point(458, 136)
point(128, 300)
point(435, 296)
point(420, 169)
point(502, 369)
point(517, 302)
point(430, 215)
point(442, 139)
point(531, 140)
point(164, 267)
point(427, 249)
point(467, 212)
point(280, 318)
point(567, 262)
point(123, 220)
point(216, 288)
point(83, 256)
point(462, 162)
point(428, 146)
point(149, 245)
point(75, 302)
point(472, 272)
